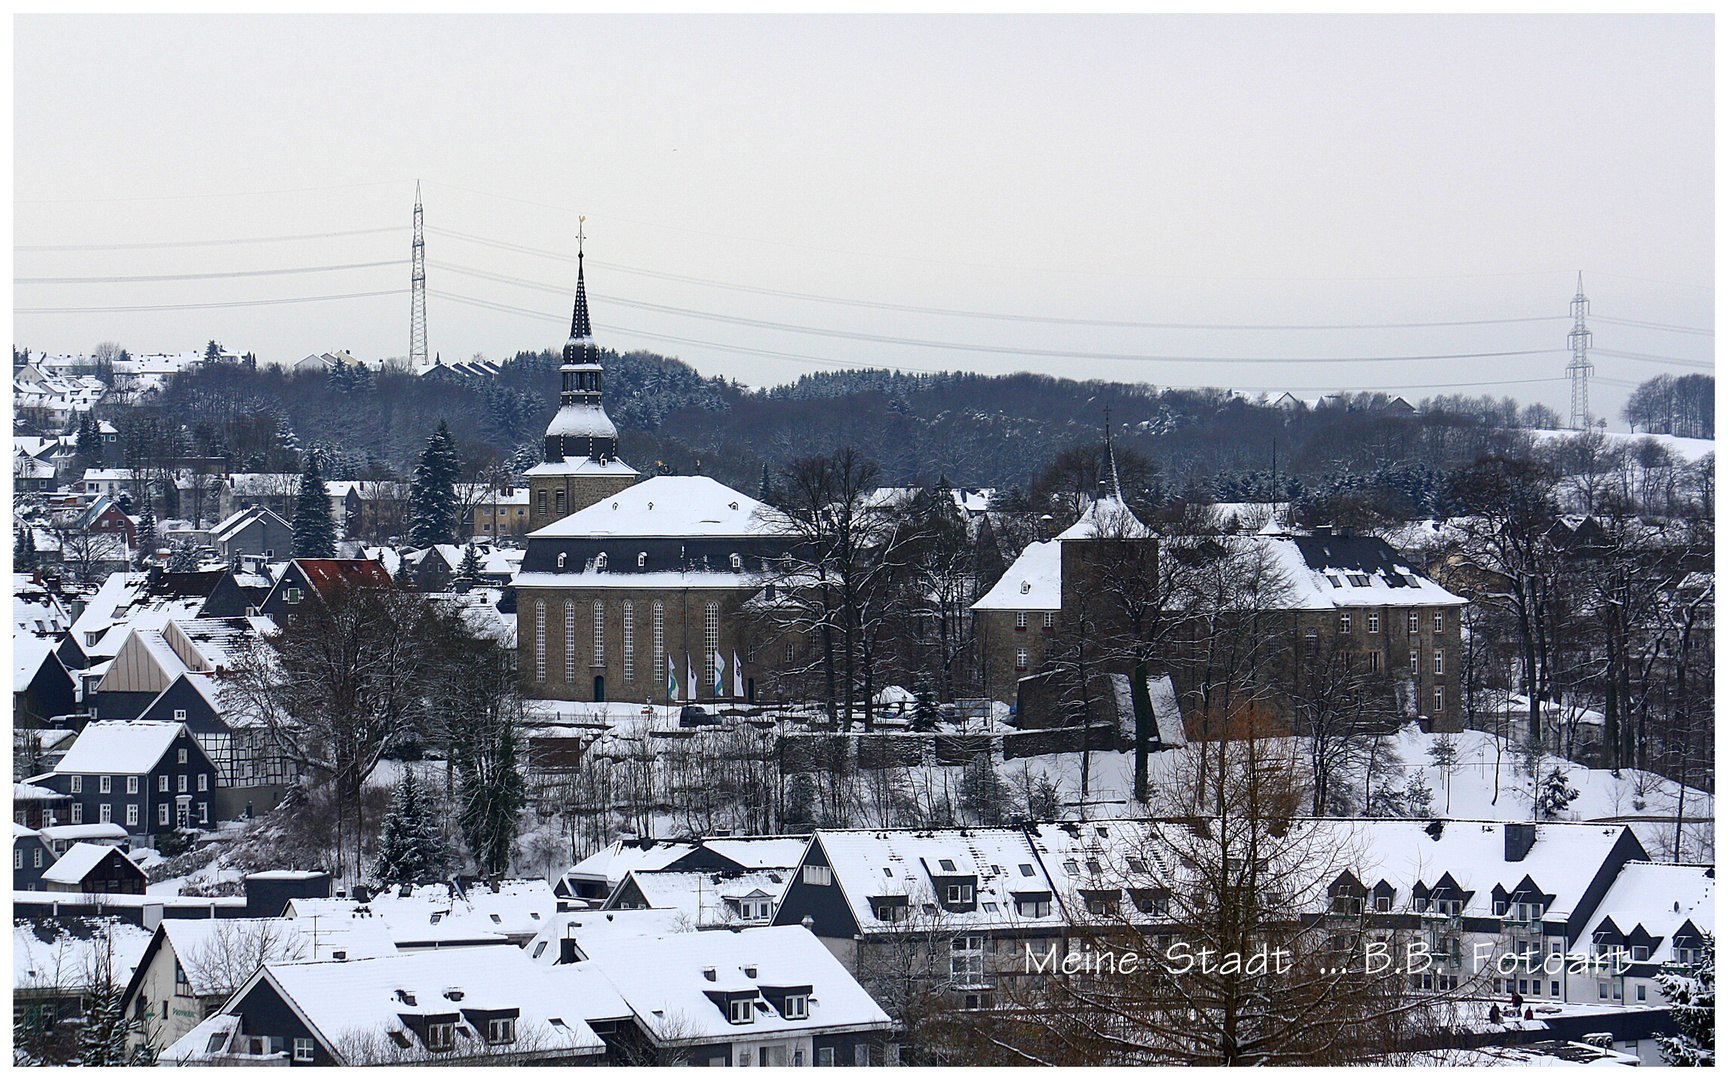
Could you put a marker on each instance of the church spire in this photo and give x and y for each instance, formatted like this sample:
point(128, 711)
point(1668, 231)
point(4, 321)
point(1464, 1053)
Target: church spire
point(580, 329)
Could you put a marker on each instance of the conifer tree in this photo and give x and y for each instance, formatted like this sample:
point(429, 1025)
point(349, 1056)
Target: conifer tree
point(1691, 998)
point(24, 548)
point(493, 797)
point(146, 534)
point(314, 529)
point(89, 441)
point(102, 1040)
point(469, 572)
point(983, 796)
point(410, 849)
point(432, 493)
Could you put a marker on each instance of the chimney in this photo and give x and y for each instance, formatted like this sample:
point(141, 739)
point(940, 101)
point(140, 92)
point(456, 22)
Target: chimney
point(1520, 838)
point(567, 950)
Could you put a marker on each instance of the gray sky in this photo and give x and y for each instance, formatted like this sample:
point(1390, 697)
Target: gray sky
point(1231, 172)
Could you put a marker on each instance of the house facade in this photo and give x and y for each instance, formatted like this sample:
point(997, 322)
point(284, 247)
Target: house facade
point(147, 776)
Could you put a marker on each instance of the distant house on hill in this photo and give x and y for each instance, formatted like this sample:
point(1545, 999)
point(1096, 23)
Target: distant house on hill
point(90, 869)
point(256, 530)
point(304, 579)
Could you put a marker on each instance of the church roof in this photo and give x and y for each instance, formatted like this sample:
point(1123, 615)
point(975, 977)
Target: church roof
point(667, 506)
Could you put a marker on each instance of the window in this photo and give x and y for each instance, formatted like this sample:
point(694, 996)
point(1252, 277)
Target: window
point(1414, 623)
point(818, 875)
point(1373, 622)
point(131, 785)
point(959, 894)
point(183, 788)
point(1374, 660)
point(77, 785)
point(131, 813)
point(161, 813)
point(302, 1049)
point(1439, 622)
point(180, 714)
point(1049, 620)
point(180, 758)
point(77, 813)
point(966, 957)
point(1032, 908)
point(203, 813)
point(570, 641)
point(824, 1057)
point(710, 638)
point(1641, 996)
point(539, 641)
point(1021, 659)
point(629, 643)
point(1640, 952)
point(889, 912)
point(1415, 662)
point(203, 781)
point(104, 784)
point(558, 502)
point(797, 1007)
point(1439, 661)
point(105, 813)
point(947, 864)
point(291, 596)
point(540, 504)
point(1019, 620)
point(501, 1031)
point(18, 858)
point(658, 622)
point(440, 1037)
point(1439, 700)
point(1312, 639)
point(1344, 623)
point(1601, 990)
point(1358, 580)
point(742, 1010)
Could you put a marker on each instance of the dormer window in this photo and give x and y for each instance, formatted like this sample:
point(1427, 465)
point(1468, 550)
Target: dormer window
point(959, 894)
point(741, 1010)
point(946, 864)
point(440, 1038)
point(561, 557)
point(600, 561)
point(642, 561)
point(797, 1007)
point(737, 562)
point(501, 1030)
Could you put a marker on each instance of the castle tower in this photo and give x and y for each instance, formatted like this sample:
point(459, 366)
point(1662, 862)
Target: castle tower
point(581, 464)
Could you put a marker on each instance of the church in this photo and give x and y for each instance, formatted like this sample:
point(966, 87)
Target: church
point(631, 589)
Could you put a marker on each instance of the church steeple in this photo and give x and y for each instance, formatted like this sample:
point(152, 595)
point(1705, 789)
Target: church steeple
point(581, 428)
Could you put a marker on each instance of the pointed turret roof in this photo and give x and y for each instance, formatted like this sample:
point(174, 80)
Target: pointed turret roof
point(580, 328)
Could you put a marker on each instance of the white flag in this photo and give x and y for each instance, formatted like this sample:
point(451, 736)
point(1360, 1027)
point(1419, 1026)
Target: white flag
point(737, 678)
point(719, 674)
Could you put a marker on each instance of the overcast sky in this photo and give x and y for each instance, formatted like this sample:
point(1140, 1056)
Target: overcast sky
point(1227, 173)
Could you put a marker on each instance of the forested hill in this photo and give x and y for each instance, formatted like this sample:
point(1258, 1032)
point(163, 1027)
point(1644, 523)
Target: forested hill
point(976, 430)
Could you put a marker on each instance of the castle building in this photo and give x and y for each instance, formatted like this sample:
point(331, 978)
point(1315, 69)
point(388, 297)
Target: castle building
point(582, 465)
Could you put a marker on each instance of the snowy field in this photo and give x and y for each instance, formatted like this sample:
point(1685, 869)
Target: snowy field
point(1688, 450)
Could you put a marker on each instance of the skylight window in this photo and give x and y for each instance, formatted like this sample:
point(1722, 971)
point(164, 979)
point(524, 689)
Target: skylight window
point(947, 864)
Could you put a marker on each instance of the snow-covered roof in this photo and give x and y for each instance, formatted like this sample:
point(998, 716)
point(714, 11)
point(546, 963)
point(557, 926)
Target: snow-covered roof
point(1032, 583)
point(653, 579)
point(79, 860)
point(582, 420)
point(759, 852)
point(75, 953)
point(26, 792)
point(28, 653)
point(582, 926)
point(871, 863)
point(94, 831)
point(21, 831)
point(1331, 571)
point(220, 954)
point(582, 466)
point(708, 898)
point(1107, 517)
point(429, 914)
point(668, 506)
point(1661, 898)
point(612, 862)
point(119, 746)
point(226, 529)
point(664, 981)
point(363, 1001)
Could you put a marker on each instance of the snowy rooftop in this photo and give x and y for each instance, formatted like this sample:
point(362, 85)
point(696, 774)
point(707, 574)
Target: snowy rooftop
point(79, 860)
point(75, 954)
point(582, 926)
point(1107, 517)
point(665, 982)
point(900, 864)
point(612, 862)
point(1660, 897)
point(210, 950)
point(668, 506)
point(1033, 583)
point(708, 898)
point(119, 746)
point(93, 831)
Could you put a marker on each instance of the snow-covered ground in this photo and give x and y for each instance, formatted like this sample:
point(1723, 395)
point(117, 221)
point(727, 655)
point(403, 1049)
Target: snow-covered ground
point(1688, 450)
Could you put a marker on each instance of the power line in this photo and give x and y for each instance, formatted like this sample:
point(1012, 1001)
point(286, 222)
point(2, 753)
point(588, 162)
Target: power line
point(1706, 365)
point(202, 277)
point(1656, 326)
point(199, 307)
point(803, 358)
point(205, 243)
point(208, 194)
point(1008, 350)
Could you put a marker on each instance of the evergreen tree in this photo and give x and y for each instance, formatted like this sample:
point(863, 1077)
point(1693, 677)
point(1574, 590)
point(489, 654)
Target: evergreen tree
point(89, 441)
point(212, 352)
point(469, 572)
point(1691, 998)
point(314, 529)
point(410, 849)
point(146, 535)
point(432, 493)
point(102, 1040)
point(24, 548)
point(493, 797)
point(1554, 794)
point(983, 796)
